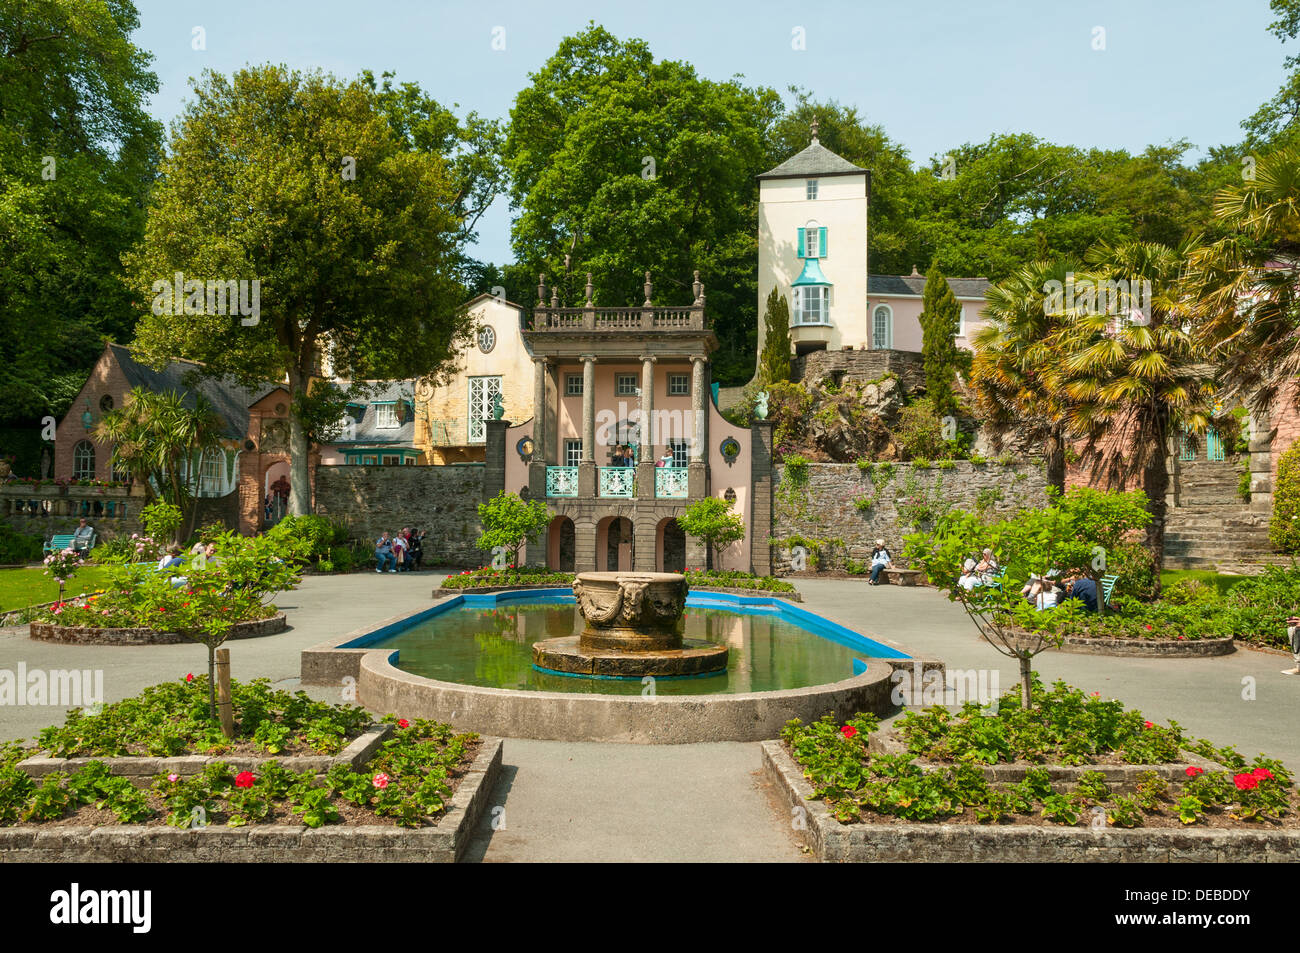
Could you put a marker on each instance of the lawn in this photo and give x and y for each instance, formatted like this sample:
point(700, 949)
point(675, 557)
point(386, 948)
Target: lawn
point(25, 587)
point(1207, 576)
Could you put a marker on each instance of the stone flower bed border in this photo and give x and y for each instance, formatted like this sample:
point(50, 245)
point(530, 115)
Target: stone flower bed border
point(969, 843)
point(88, 635)
point(443, 843)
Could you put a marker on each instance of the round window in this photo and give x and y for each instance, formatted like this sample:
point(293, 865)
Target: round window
point(106, 402)
point(487, 339)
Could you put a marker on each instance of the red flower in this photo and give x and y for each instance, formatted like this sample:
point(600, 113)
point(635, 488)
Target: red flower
point(244, 779)
point(1264, 774)
point(848, 731)
point(1246, 782)
point(1193, 771)
point(1148, 626)
point(403, 723)
point(1147, 724)
point(189, 677)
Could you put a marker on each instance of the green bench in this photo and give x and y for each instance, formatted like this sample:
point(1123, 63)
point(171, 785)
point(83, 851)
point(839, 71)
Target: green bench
point(62, 541)
point(1107, 587)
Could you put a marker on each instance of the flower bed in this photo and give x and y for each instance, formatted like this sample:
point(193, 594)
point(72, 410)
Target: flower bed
point(406, 779)
point(98, 635)
point(973, 768)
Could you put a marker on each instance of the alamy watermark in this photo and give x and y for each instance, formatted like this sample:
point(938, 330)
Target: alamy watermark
point(230, 297)
point(919, 688)
point(64, 688)
point(1120, 297)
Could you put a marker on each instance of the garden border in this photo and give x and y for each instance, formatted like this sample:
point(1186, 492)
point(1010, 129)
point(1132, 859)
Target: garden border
point(972, 843)
point(445, 842)
point(1149, 648)
point(89, 635)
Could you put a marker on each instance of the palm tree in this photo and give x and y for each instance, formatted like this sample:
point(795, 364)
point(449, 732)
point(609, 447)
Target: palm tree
point(161, 442)
point(1242, 288)
point(1011, 356)
point(1132, 379)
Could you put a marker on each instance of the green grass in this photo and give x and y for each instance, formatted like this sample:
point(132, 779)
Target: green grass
point(1207, 576)
point(25, 587)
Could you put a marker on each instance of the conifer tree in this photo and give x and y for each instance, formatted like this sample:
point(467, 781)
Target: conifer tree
point(940, 322)
point(775, 364)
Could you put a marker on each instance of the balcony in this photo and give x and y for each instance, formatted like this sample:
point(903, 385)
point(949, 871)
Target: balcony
point(617, 481)
point(561, 481)
point(672, 482)
point(690, 318)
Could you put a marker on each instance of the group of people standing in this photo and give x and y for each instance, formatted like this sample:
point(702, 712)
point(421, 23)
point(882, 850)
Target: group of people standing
point(401, 553)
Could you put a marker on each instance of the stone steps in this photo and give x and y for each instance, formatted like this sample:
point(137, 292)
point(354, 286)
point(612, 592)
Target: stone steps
point(1224, 533)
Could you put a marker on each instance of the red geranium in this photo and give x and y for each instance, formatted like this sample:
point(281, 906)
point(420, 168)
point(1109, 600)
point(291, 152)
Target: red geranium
point(1264, 774)
point(189, 677)
point(244, 779)
point(1246, 782)
point(1193, 771)
point(1148, 724)
point(403, 723)
point(848, 731)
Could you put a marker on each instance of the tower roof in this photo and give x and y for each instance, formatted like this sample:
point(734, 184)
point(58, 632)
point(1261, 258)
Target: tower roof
point(816, 160)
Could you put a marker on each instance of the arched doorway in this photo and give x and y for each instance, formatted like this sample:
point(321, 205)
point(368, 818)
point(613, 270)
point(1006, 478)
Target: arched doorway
point(614, 544)
point(670, 546)
point(275, 493)
point(560, 545)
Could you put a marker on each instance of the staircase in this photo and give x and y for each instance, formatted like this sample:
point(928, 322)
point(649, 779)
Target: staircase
point(1211, 528)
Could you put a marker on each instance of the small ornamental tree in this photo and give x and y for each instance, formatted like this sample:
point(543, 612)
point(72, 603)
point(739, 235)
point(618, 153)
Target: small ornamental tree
point(940, 322)
point(162, 520)
point(774, 365)
point(711, 520)
point(1284, 527)
point(509, 521)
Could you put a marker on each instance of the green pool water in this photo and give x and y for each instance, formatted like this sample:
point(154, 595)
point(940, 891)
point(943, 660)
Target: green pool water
point(493, 648)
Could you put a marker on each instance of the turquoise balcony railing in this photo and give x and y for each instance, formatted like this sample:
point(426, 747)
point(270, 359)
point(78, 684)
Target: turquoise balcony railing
point(617, 481)
point(671, 482)
point(561, 481)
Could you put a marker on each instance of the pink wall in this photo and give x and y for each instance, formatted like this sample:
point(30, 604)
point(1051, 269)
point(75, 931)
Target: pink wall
point(907, 321)
point(624, 407)
point(737, 475)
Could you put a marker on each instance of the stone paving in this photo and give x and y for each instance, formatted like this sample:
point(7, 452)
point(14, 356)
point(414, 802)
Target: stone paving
point(585, 801)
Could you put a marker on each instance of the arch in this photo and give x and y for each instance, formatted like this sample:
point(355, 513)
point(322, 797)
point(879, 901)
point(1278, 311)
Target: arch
point(670, 546)
point(614, 544)
point(882, 328)
point(83, 460)
point(279, 502)
point(561, 541)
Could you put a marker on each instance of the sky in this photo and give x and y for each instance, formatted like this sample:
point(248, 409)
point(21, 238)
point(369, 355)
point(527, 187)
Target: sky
point(935, 74)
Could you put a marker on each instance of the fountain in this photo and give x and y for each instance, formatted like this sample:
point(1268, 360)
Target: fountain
point(632, 630)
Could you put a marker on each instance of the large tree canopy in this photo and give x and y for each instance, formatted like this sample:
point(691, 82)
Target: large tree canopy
point(300, 183)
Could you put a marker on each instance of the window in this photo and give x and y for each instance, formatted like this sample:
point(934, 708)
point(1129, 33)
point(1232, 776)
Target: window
point(679, 447)
point(482, 400)
point(625, 385)
point(392, 460)
point(810, 236)
point(120, 473)
point(572, 385)
point(882, 328)
point(487, 339)
point(211, 473)
point(812, 304)
point(679, 385)
point(572, 452)
point(386, 416)
point(812, 190)
point(83, 461)
point(961, 323)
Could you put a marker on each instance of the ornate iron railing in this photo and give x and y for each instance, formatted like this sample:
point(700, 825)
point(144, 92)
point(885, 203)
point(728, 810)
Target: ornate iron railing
point(617, 481)
point(561, 481)
point(671, 482)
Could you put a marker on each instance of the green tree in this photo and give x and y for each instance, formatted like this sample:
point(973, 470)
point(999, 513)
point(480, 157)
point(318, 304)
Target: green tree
point(77, 152)
point(1284, 524)
point(509, 521)
point(940, 322)
point(711, 519)
point(622, 164)
point(774, 366)
point(300, 182)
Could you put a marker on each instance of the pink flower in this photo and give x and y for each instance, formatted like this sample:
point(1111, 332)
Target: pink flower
point(173, 778)
point(380, 780)
point(1096, 694)
point(1193, 771)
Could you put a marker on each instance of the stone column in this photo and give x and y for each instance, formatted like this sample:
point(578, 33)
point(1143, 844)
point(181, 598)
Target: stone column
point(760, 507)
point(698, 475)
point(1261, 462)
point(587, 468)
point(540, 457)
point(494, 472)
point(645, 470)
point(584, 545)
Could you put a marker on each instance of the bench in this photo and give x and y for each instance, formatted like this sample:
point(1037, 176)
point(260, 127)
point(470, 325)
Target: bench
point(62, 541)
point(1107, 587)
point(904, 577)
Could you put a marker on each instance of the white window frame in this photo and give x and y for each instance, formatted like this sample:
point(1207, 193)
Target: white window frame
point(82, 454)
point(810, 190)
point(572, 451)
point(625, 385)
point(680, 447)
point(386, 417)
point(679, 385)
point(812, 241)
point(824, 296)
point(488, 386)
point(210, 482)
point(572, 385)
point(889, 328)
point(961, 322)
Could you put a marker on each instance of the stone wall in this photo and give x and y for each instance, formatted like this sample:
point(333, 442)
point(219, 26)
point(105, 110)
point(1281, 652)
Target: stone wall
point(442, 501)
point(825, 508)
point(859, 365)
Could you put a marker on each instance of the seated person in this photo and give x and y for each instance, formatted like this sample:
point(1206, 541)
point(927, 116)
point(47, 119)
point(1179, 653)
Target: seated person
point(399, 552)
point(170, 559)
point(969, 579)
point(1083, 589)
point(880, 561)
point(1043, 593)
point(384, 554)
point(979, 572)
point(82, 535)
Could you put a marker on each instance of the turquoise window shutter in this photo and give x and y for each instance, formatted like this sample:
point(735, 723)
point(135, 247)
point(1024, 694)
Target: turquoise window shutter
point(801, 243)
point(822, 242)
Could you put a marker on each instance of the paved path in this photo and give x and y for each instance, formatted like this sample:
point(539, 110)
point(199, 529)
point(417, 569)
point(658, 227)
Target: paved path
point(584, 801)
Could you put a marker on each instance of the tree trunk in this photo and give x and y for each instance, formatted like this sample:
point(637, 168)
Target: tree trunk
point(299, 469)
point(1155, 480)
point(212, 681)
point(1026, 682)
point(1056, 460)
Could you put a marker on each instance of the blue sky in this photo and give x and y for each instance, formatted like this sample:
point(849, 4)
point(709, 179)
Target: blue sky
point(934, 74)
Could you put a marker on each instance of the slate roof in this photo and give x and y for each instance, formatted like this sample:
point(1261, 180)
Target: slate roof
point(229, 399)
point(370, 435)
point(914, 285)
point(816, 160)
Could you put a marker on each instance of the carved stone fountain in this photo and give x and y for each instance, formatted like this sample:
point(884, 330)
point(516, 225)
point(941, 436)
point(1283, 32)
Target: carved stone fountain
point(632, 630)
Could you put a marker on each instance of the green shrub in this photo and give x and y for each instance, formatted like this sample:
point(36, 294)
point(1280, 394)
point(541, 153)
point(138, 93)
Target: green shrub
point(1284, 528)
point(317, 534)
point(1136, 568)
point(919, 433)
point(16, 547)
